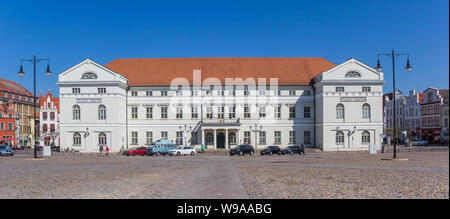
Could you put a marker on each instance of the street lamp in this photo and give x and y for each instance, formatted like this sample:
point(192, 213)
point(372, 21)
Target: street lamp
point(21, 73)
point(408, 68)
point(256, 130)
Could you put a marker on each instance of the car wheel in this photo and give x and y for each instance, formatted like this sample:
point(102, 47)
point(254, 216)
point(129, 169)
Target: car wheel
point(270, 153)
point(157, 154)
point(134, 154)
point(251, 153)
point(192, 153)
point(178, 153)
point(292, 153)
point(241, 153)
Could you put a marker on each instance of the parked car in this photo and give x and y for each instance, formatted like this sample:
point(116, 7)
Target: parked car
point(135, 151)
point(242, 150)
point(5, 151)
point(419, 142)
point(160, 147)
point(270, 150)
point(183, 150)
point(295, 149)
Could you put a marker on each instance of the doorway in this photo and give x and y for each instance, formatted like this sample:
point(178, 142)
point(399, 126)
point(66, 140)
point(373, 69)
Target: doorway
point(220, 140)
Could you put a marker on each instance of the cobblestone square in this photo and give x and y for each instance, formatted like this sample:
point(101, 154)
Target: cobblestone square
point(216, 175)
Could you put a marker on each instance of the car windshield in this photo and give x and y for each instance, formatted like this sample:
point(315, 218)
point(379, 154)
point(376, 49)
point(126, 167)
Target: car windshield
point(133, 148)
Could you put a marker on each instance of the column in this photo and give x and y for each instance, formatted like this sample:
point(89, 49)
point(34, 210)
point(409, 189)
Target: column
point(226, 139)
point(238, 140)
point(203, 137)
point(215, 139)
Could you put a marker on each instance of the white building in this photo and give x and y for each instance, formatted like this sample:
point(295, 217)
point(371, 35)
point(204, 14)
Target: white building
point(221, 102)
point(412, 114)
point(49, 120)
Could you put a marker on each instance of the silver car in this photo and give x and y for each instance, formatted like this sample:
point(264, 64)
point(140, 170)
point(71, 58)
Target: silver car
point(5, 151)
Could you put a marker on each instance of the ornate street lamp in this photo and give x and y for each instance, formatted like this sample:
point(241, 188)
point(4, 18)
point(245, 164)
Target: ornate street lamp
point(21, 73)
point(408, 68)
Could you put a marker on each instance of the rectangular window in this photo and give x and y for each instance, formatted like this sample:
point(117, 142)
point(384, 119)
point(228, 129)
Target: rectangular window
point(149, 93)
point(291, 137)
point(307, 93)
point(262, 137)
point(365, 89)
point(101, 90)
point(179, 112)
point(292, 93)
point(164, 135)
point(164, 112)
point(52, 116)
point(247, 138)
point(44, 116)
point(179, 140)
point(221, 112)
point(134, 93)
point(134, 112)
point(194, 110)
point(278, 112)
point(134, 138)
point(10, 126)
point(2, 126)
point(75, 90)
point(149, 112)
point(232, 112)
point(246, 111)
point(307, 137)
point(262, 112)
point(277, 137)
point(292, 112)
point(307, 112)
point(149, 138)
point(209, 112)
point(164, 93)
point(339, 89)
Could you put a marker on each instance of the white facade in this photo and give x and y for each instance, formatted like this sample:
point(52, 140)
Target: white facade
point(49, 121)
point(98, 101)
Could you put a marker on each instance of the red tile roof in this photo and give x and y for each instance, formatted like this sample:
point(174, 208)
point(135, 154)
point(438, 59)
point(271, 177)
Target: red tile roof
point(13, 87)
point(161, 71)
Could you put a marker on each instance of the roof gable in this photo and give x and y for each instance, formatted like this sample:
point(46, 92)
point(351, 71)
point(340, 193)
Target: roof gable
point(89, 71)
point(351, 70)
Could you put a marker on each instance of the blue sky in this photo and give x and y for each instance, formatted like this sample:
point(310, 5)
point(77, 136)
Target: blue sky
point(68, 32)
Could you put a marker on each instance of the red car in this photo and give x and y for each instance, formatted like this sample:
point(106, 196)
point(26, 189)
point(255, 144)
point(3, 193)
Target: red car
point(135, 151)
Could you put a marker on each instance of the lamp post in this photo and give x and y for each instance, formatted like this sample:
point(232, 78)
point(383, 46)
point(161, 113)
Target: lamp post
point(256, 130)
point(21, 73)
point(408, 68)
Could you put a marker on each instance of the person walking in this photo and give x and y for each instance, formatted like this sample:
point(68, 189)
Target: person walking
point(101, 150)
point(203, 148)
point(107, 150)
point(303, 149)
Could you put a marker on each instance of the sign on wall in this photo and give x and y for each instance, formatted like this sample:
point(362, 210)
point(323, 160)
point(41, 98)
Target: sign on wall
point(353, 99)
point(89, 100)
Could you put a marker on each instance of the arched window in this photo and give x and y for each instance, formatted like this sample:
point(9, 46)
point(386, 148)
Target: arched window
point(366, 111)
point(353, 74)
point(340, 111)
point(76, 112)
point(365, 137)
point(76, 138)
point(89, 75)
point(232, 138)
point(102, 112)
point(339, 137)
point(102, 139)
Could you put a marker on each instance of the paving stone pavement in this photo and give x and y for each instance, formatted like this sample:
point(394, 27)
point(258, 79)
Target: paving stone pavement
point(213, 180)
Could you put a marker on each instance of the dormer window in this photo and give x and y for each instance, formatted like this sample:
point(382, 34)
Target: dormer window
point(89, 75)
point(353, 74)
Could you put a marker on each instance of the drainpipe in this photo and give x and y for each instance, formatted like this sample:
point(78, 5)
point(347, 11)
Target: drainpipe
point(126, 116)
point(314, 105)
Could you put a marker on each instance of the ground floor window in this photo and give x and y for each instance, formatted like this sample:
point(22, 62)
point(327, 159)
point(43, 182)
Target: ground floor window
point(134, 137)
point(232, 138)
point(76, 139)
point(262, 137)
point(307, 137)
point(149, 138)
point(209, 138)
point(292, 137)
point(179, 140)
point(339, 138)
point(102, 139)
point(365, 137)
point(247, 138)
point(164, 135)
point(277, 137)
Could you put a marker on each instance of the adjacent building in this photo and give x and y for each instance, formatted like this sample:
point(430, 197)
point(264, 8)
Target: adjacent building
point(49, 120)
point(8, 122)
point(444, 116)
point(22, 102)
point(431, 117)
point(412, 114)
point(221, 102)
point(389, 117)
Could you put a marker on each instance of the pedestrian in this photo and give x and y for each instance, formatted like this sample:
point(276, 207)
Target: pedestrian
point(101, 150)
point(303, 149)
point(203, 148)
point(107, 150)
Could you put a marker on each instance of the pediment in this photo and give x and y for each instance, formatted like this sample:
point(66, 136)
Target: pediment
point(90, 71)
point(351, 70)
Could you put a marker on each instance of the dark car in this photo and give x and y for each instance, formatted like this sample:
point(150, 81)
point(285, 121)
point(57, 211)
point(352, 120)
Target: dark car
point(135, 151)
point(295, 149)
point(270, 150)
point(242, 149)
